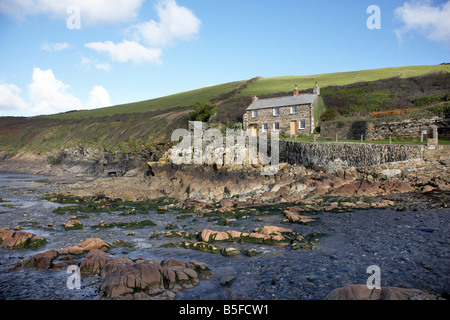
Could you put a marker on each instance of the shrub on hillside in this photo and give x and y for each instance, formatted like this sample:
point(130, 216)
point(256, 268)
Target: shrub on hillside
point(330, 114)
point(443, 109)
point(430, 99)
point(203, 111)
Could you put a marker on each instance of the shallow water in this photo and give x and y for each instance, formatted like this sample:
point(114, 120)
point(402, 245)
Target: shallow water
point(410, 247)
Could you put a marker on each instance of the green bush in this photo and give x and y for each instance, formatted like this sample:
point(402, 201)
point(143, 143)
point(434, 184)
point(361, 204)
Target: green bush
point(330, 114)
point(203, 111)
point(443, 109)
point(432, 98)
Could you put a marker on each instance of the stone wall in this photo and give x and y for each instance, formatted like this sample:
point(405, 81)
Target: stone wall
point(382, 131)
point(346, 154)
point(344, 130)
point(408, 128)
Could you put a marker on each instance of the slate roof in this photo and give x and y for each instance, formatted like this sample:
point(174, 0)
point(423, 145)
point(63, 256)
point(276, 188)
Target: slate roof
point(283, 101)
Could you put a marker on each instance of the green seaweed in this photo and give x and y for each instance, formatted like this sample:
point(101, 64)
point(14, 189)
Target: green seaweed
point(133, 225)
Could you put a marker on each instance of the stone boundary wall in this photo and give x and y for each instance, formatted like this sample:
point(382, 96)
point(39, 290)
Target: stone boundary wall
point(349, 154)
point(382, 131)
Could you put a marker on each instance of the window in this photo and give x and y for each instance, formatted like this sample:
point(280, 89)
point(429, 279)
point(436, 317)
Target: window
point(254, 113)
point(276, 126)
point(294, 110)
point(265, 127)
point(276, 112)
point(302, 125)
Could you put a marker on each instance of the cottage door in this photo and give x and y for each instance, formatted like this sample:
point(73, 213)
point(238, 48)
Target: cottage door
point(293, 127)
point(254, 130)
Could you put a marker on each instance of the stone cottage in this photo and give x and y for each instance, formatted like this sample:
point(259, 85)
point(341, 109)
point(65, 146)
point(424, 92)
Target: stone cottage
point(291, 115)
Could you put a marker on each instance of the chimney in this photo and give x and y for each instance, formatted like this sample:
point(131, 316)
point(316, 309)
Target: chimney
point(316, 89)
point(255, 98)
point(296, 92)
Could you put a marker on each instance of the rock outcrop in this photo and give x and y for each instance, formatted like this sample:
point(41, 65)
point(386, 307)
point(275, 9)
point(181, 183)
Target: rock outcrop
point(60, 258)
point(123, 278)
point(362, 292)
point(20, 240)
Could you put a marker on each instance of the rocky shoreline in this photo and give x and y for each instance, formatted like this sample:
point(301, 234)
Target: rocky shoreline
point(408, 199)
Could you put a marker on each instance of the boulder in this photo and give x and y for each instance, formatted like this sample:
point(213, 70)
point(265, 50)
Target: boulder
point(148, 279)
point(41, 260)
point(362, 292)
point(354, 292)
point(266, 234)
point(44, 259)
point(427, 188)
point(72, 224)
point(87, 245)
point(403, 187)
point(141, 277)
point(347, 190)
point(94, 261)
point(269, 230)
point(394, 293)
point(293, 216)
point(227, 203)
point(208, 235)
point(20, 240)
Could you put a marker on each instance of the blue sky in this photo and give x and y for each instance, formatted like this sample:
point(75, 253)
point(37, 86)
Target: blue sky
point(63, 55)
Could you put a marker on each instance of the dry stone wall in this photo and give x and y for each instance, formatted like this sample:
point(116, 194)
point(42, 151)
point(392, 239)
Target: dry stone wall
point(346, 154)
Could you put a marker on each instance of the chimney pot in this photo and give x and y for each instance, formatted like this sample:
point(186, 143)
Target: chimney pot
point(255, 98)
point(296, 92)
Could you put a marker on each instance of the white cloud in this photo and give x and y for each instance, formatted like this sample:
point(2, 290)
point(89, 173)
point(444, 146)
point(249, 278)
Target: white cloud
point(421, 16)
point(92, 11)
point(98, 98)
point(10, 98)
point(175, 23)
point(49, 95)
point(126, 51)
point(52, 47)
point(86, 64)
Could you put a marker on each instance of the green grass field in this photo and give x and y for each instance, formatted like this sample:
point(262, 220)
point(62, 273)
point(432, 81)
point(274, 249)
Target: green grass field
point(285, 84)
point(184, 99)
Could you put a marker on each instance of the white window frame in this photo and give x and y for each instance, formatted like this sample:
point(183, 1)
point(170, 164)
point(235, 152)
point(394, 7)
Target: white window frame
point(276, 114)
point(254, 113)
point(264, 129)
point(274, 128)
point(292, 108)
point(300, 124)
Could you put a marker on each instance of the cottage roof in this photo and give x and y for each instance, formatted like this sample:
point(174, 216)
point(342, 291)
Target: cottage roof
point(283, 101)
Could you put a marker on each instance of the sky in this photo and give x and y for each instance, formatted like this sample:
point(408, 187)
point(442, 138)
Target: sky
point(63, 55)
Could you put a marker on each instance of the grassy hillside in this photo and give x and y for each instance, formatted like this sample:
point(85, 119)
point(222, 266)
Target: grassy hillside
point(283, 84)
point(184, 99)
point(145, 124)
